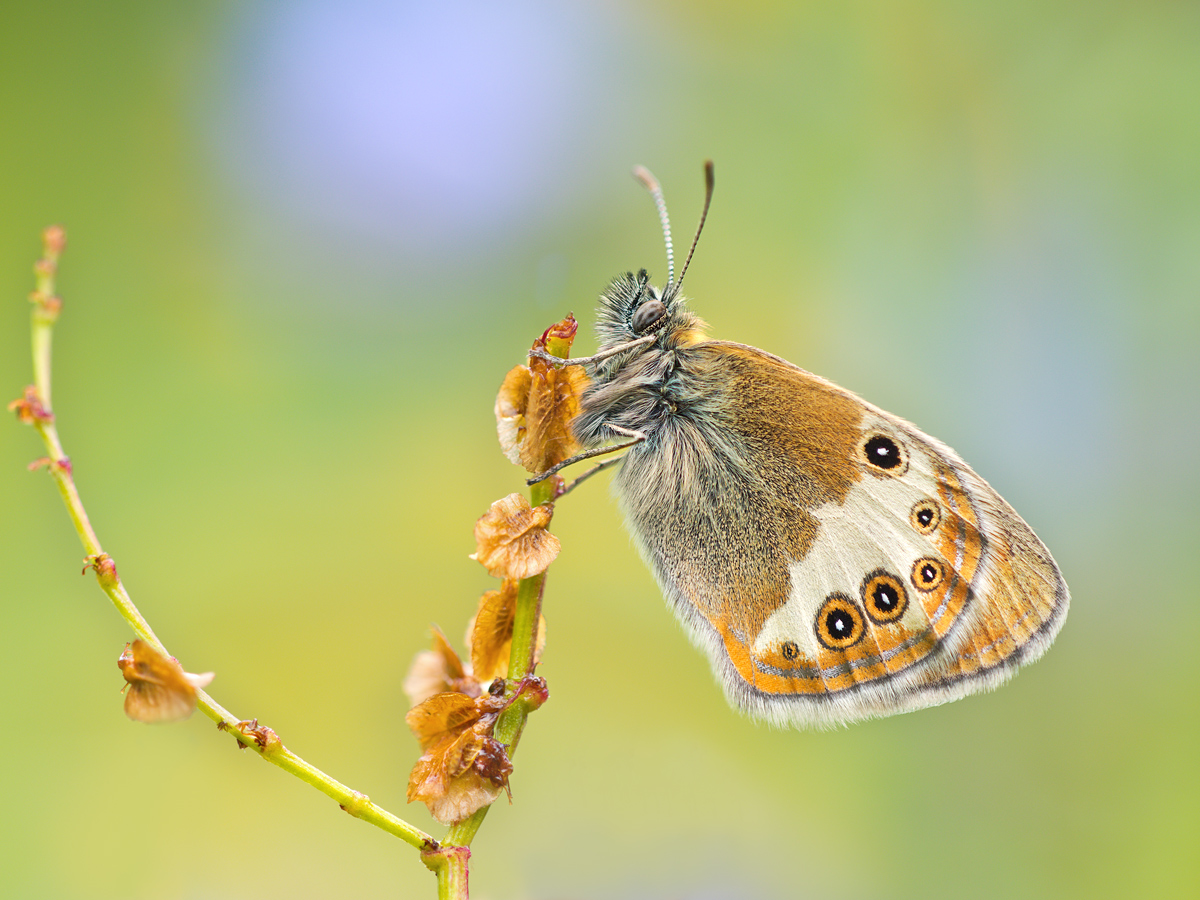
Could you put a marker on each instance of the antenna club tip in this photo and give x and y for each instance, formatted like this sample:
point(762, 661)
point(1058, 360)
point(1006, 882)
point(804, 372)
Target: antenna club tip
point(709, 178)
point(646, 177)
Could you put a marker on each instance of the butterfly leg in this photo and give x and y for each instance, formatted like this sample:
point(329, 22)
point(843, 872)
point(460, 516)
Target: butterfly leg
point(635, 437)
point(607, 464)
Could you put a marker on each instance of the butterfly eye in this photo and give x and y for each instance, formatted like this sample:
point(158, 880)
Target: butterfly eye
point(883, 455)
point(884, 597)
point(839, 624)
point(928, 573)
point(647, 315)
point(925, 517)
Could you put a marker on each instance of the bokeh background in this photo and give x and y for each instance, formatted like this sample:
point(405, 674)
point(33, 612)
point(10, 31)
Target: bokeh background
point(308, 239)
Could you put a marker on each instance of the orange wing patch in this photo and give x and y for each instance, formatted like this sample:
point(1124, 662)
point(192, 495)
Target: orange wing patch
point(960, 543)
point(874, 651)
point(1024, 599)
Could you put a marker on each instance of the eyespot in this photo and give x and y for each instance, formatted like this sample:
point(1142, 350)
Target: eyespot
point(883, 455)
point(646, 316)
point(839, 624)
point(884, 597)
point(928, 573)
point(790, 650)
point(925, 517)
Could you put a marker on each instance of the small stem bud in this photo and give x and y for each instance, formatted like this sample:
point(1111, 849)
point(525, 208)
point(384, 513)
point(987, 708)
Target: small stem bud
point(46, 307)
point(30, 409)
point(54, 241)
point(106, 570)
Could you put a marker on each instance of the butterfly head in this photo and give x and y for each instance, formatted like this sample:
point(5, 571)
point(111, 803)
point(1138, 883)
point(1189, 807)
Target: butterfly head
point(633, 308)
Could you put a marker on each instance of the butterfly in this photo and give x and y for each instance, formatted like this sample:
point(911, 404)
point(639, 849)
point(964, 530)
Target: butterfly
point(834, 561)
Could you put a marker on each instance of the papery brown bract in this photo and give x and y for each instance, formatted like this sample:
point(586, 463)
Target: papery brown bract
point(512, 541)
point(437, 670)
point(537, 402)
point(510, 407)
point(490, 633)
point(553, 402)
point(158, 688)
point(448, 712)
point(463, 767)
point(460, 778)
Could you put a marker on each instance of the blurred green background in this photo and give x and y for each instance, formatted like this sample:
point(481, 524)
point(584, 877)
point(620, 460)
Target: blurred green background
point(307, 240)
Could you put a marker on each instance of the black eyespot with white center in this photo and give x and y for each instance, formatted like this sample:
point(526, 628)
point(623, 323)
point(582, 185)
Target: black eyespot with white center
point(928, 574)
point(840, 624)
point(925, 517)
point(883, 454)
point(884, 597)
point(790, 650)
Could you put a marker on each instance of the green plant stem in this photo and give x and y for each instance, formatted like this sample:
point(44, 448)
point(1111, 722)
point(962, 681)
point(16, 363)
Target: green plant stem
point(450, 864)
point(353, 802)
point(42, 332)
point(520, 664)
point(529, 612)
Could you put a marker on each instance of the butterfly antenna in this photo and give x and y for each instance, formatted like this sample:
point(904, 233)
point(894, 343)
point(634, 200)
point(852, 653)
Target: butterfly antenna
point(709, 181)
point(646, 177)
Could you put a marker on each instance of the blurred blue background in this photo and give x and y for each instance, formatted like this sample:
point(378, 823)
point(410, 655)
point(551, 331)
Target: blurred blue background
point(307, 240)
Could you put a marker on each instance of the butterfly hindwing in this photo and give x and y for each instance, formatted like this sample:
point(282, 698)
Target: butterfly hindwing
point(833, 560)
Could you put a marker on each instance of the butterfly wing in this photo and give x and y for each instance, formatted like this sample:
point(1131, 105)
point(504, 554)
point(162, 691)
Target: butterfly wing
point(834, 561)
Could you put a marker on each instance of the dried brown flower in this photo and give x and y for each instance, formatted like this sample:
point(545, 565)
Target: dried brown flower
point(438, 670)
point(537, 402)
point(261, 736)
point(512, 541)
point(490, 633)
point(158, 688)
point(463, 767)
point(510, 407)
